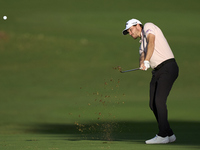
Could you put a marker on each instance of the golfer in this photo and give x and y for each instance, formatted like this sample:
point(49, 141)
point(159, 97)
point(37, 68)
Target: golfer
point(156, 53)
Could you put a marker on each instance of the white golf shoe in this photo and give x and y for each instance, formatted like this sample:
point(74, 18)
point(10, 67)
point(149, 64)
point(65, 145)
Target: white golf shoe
point(172, 138)
point(158, 140)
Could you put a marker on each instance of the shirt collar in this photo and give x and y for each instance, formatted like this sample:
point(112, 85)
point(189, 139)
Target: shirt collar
point(142, 36)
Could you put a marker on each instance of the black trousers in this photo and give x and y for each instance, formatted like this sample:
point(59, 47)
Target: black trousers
point(161, 83)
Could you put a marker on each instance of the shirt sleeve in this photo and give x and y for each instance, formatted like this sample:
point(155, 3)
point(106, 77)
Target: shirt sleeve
point(149, 28)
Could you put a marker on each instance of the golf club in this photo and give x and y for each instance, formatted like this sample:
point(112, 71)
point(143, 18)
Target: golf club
point(130, 70)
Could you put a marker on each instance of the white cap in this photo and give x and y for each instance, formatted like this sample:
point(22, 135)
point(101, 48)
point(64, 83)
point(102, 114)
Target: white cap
point(129, 24)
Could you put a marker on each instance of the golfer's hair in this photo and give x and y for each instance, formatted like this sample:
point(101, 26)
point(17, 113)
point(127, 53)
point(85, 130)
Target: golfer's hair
point(141, 26)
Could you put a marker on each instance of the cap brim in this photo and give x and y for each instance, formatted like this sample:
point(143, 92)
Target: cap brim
point(125, 32)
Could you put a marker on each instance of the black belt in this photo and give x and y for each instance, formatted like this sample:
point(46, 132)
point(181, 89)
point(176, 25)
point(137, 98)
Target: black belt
point(163, 63)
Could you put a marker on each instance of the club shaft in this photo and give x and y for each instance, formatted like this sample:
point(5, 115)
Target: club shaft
point(130, 70)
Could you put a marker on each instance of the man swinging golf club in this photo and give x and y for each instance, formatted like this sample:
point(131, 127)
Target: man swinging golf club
point(156, 53)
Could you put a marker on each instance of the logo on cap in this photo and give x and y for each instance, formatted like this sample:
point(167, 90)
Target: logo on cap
point(134, 23)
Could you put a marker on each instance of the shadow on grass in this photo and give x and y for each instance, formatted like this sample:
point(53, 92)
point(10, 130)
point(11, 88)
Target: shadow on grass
point(187, 133)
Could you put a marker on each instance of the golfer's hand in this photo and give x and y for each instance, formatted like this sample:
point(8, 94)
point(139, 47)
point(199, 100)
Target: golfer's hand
point(145, 65)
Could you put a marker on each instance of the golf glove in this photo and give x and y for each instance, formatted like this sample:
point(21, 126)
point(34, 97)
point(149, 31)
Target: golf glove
point(146, 64)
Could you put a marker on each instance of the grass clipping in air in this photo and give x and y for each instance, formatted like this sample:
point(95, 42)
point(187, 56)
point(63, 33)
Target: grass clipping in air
point(103, 125)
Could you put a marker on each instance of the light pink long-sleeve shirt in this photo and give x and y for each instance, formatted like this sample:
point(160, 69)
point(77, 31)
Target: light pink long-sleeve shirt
point(162, 50)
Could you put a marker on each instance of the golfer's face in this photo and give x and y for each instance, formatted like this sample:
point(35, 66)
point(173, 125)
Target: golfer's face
point(133, 32)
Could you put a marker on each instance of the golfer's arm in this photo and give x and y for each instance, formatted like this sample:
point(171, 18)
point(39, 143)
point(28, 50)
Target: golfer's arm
point(150, 46)
point(142, 57)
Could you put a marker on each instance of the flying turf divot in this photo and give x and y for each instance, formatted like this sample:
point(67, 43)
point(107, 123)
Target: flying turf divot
point(104, 124)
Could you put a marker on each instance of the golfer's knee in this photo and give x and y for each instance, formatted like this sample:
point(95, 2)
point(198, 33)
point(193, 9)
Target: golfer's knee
point(151, 106)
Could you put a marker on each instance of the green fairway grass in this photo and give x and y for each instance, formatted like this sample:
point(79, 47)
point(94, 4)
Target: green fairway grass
point(59, 83)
